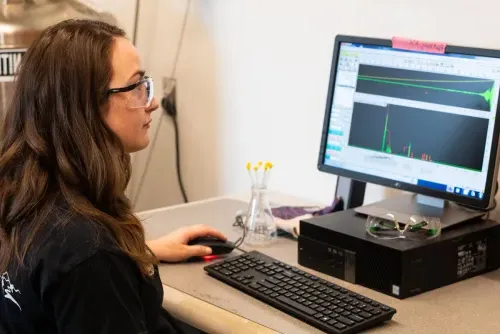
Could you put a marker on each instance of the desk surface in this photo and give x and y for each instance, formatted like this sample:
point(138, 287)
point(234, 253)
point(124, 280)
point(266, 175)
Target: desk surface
point(470, 306)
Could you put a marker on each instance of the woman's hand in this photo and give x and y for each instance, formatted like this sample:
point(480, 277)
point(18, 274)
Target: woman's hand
point(174, 247)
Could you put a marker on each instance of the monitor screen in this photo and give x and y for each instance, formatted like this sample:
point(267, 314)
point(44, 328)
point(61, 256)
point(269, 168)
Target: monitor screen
point(413, 118)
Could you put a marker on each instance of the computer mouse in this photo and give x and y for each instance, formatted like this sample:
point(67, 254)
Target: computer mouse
point(218, 246)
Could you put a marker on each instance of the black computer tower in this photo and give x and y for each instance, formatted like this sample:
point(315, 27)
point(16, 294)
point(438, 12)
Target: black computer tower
point(338, 245)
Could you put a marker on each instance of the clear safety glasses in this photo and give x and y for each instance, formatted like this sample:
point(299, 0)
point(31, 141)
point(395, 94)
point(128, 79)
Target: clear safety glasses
point(141, 93)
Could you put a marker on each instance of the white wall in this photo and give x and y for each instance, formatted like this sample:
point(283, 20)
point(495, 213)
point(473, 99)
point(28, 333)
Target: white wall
point(123, 10)
point(253, 77)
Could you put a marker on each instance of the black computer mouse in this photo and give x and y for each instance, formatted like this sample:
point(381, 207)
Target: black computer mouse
point(218, 246)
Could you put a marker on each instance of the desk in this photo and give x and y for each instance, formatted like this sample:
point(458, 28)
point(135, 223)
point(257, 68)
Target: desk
point(470, 306)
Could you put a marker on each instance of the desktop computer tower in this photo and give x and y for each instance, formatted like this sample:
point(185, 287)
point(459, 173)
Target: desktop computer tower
point(338, 245)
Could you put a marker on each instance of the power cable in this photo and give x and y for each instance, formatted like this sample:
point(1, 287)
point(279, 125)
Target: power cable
point(135, 198)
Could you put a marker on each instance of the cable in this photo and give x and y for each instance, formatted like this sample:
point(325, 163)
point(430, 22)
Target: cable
point(239, 223)
point(136, 21)
point(135, 198)
point(486, 210)
point(178, 159)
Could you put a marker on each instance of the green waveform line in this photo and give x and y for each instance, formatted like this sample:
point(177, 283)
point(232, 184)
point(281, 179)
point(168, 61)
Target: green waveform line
point(385, 131)
point(424, 80)
point(487, 95)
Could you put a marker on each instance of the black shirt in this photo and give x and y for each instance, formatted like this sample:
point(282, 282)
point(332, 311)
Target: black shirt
point(78, 281)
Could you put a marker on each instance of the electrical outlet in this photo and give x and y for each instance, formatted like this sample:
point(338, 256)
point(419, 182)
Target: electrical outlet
point(168, 101)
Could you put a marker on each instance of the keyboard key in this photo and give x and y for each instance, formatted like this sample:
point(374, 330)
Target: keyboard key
point(356, 318)
point(325, 319)
point(346, 321)
point(273, 280)
point(385, 308)
point(366, 315)
point(339, 325)
point(296, 305)
point(267, 284)
point(332, 322)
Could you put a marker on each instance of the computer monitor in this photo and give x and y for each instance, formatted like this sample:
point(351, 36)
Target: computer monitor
point(421, 122)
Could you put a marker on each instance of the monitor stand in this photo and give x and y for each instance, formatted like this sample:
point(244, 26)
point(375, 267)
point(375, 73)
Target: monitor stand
point(407, 205)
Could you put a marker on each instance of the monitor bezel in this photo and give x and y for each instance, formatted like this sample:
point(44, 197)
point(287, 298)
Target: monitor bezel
point(490, 190)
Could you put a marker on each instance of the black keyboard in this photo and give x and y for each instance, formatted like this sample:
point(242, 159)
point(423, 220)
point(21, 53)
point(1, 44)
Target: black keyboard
point(322, 304)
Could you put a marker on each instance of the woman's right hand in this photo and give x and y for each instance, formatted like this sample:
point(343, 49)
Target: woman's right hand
point(174, 247)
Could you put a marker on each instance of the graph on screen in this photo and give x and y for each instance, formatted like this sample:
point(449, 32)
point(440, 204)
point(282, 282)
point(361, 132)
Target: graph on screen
point(427, 135)
point(445, 89)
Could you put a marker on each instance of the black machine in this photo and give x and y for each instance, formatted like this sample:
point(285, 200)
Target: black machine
point(320, 303)
point(338, 245)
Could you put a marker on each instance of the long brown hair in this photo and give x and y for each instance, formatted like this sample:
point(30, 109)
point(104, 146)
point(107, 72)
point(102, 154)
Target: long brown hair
point(55, 145)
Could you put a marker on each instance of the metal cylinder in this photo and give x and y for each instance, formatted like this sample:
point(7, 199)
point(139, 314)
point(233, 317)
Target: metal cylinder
point(21, 21)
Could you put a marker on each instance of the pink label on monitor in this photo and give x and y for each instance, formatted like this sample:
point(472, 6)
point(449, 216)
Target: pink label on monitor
point(416, 45)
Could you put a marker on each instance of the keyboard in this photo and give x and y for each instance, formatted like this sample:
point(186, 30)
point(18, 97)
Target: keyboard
point(320, 303)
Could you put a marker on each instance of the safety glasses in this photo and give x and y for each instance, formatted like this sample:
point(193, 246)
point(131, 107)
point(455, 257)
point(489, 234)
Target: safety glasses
point(141, 93)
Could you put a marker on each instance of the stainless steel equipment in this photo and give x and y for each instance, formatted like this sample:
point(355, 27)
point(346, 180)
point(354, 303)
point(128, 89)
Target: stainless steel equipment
point(21, 21)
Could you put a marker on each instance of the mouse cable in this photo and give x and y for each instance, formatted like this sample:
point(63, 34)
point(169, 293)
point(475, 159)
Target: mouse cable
point(240, 240)
point(135, 197)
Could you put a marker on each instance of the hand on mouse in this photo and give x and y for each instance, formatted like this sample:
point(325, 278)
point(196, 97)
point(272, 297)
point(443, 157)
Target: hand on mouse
point(174, 247)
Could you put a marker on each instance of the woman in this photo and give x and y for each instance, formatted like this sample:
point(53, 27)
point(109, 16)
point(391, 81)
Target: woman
point(73, 257)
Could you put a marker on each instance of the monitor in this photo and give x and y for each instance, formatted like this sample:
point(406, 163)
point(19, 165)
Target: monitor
point(421, 122)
